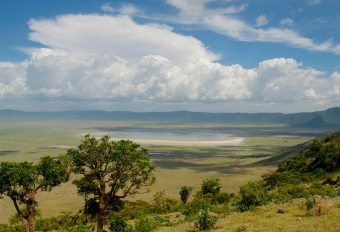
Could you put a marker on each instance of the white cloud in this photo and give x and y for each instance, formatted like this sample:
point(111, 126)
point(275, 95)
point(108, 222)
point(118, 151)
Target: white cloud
point(116, 35)
point(107, 8)
point(129, 9)
point(64, 77)
point(313, 2)
point(261, 20)
point(218, 20)
point(287, 21)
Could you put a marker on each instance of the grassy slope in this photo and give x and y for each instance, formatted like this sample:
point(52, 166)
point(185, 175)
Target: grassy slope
point(267, 219)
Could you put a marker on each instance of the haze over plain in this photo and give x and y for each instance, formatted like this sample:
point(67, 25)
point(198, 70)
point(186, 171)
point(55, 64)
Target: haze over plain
point(198, 55)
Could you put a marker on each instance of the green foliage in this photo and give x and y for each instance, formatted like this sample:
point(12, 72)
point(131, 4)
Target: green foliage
point(118, 224)
point(222, 197)
point(185, 193)
point(47, 224)
point(136, 209)
point(110, 170)
point(253, 194)
point(312, 172)
point(81, 228)
point(211, 186)
point(21, 182)
point(15, 219)
point(146, 225)
point(204, 220)
point(114, 205)
point(3, 227)
point(162, 203)
point(61, 222)
point(310, 203)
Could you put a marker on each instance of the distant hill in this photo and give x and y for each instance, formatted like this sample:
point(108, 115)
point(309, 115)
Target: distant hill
point(294, 151)
point(328, 119)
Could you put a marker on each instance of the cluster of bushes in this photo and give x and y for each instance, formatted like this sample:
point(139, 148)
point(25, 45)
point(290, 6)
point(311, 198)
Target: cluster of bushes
point(314, 172)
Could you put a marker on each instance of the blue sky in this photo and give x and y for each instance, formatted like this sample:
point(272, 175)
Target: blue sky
point(165, 55)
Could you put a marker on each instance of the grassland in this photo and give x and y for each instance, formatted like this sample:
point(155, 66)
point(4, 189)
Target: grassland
point(266, 219)
point(177, 165)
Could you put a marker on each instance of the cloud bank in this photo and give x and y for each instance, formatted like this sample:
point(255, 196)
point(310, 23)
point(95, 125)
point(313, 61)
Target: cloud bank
point(112, 59)
point(153, 78)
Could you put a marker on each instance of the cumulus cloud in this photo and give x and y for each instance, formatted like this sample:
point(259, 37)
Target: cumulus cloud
point(287, 21)
point(111, 58)
point(261, 20)
point(117, 35)
point(59, 76)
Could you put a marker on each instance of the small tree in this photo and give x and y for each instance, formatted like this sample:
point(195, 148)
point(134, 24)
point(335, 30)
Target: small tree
point(211, 186)
point(22, 181)
point(185, 193)
point(110, 170)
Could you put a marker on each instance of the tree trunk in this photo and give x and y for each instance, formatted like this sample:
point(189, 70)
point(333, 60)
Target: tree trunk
point(30, 217)
point(102, 206)
point(23, 219)
point(101, 218)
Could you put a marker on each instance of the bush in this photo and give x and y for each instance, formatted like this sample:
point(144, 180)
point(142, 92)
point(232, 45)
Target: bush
point(196, 205)
point(81, 228)
point(204, 220)
point(253, 194)
point(118, 224)
point(211, 186)
point(47, 224)
point(162, 203)
point(146, 225)
point(3, 227)
point(222, 198)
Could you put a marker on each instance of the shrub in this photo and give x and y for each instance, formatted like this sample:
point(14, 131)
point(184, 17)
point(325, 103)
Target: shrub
point(222, 198)
point(119, 224)
point(162, 203)
point(204, 220)
point(211, 186)
point(3, 227)
point(146, 225)
point(253, 194)
point(47, 224)
point(81, 228)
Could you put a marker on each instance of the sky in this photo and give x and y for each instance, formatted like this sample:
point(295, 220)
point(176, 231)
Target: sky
point(168, 55)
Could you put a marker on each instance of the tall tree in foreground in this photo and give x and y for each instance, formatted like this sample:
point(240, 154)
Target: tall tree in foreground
point(22, 181)
point(110, 170)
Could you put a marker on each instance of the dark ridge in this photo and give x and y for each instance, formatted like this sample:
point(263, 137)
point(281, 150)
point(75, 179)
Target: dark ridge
point(328, 119)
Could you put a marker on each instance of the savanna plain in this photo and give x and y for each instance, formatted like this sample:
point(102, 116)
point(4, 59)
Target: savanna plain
point(184, 154)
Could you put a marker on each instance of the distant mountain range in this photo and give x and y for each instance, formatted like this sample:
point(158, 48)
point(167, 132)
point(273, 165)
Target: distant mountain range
point(327, 119)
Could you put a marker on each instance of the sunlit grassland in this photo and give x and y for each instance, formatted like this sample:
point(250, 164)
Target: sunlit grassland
point(176, 165)
point(267, 219)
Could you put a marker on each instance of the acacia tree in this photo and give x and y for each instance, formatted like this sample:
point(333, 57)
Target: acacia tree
point(22, 181)
point(110, 170)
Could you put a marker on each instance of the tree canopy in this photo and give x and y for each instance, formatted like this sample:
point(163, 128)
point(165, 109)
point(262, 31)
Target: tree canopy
point(110, 170)
point(22, 181)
